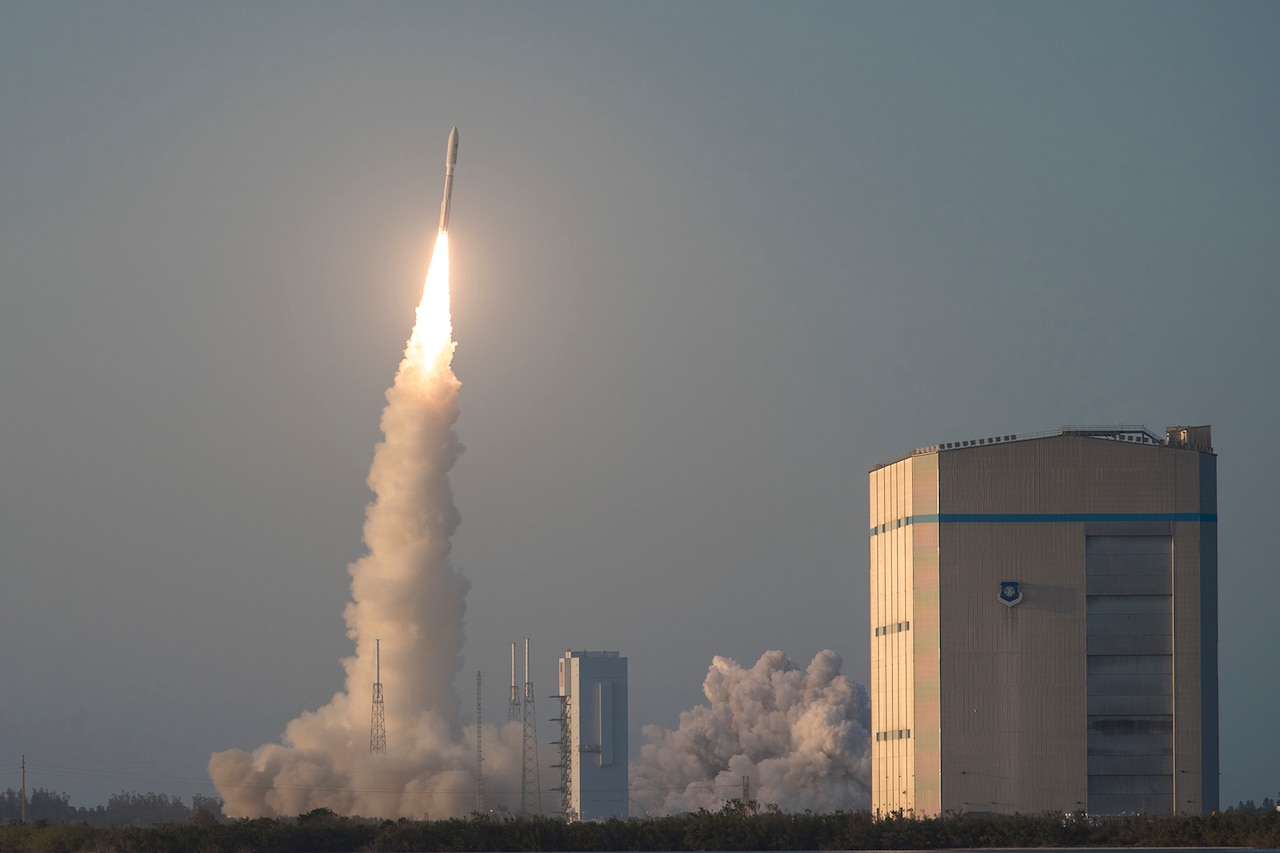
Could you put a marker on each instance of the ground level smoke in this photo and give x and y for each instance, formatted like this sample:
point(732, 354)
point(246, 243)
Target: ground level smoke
point(800, 735)
point(406, 593)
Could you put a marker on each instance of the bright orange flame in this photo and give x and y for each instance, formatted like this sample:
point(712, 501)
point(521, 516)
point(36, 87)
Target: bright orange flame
point(433, 331)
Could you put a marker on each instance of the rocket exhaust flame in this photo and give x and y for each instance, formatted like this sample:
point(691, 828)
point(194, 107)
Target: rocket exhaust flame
point(405, 591)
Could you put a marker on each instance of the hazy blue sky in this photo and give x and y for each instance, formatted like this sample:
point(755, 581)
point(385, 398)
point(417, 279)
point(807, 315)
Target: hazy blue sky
point(711, 263)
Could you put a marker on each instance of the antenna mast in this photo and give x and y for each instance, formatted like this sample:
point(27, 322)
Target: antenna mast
point(378, 726)
point(479, 752)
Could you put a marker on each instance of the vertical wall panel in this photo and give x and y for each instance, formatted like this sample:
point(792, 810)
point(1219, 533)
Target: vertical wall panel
point(1131, 718)
point(604, 723)
point(892, 649)
point(926, 740)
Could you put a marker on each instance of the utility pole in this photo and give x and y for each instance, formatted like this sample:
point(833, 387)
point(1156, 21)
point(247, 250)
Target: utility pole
point(479, 752)
point(23, 794)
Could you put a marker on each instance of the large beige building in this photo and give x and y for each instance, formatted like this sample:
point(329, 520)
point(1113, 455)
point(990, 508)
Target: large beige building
point(1044, 625)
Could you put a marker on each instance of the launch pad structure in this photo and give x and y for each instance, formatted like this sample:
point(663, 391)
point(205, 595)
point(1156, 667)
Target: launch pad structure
point(593, 736)
point(564, 752)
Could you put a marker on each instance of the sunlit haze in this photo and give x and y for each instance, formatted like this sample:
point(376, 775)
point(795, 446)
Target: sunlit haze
point(707, 265)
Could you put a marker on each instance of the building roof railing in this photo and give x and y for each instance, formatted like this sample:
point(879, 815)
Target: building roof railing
point(1185, 438)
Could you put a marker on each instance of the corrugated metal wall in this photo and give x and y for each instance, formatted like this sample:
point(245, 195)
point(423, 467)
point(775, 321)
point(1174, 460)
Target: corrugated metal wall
point(1129, 615)
point(892, 661)
point(1022, 708)
point(1013, 678)
point(927, 724)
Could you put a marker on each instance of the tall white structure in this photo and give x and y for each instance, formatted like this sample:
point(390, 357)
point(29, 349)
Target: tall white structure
point(593, 688)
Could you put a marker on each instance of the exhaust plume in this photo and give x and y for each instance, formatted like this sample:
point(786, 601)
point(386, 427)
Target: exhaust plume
point(801, 735)
point(406, 592)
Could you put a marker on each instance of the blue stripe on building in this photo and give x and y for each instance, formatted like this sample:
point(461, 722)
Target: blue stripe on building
point(1044, 518)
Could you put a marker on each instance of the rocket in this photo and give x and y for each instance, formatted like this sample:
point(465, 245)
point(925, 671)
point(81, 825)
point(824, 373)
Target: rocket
point(450, 161)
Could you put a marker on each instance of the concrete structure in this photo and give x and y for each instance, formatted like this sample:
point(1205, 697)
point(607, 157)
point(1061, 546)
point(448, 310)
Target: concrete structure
point(1044, 625)
point(593, 693)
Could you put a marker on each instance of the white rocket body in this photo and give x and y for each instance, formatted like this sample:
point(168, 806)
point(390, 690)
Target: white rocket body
point(450, 161)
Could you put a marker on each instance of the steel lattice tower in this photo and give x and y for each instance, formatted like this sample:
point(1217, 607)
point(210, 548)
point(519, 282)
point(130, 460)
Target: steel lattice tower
point(514, 712)
point(530, 786)
point(479, 751)
point(378, 726)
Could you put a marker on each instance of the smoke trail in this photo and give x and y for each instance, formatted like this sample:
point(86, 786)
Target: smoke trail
point(406, 592)
point(800, 735)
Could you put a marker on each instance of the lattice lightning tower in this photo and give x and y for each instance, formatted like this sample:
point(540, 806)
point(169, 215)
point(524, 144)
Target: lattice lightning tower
point(378, 727)
point(514, 711)
point(530, 786)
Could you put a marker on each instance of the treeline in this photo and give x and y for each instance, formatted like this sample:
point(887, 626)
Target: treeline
point(1268, 805)
point(126, 808)
point(735, 827)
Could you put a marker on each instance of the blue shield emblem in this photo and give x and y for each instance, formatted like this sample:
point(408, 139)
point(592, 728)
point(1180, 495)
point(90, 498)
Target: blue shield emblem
point(1009, 593)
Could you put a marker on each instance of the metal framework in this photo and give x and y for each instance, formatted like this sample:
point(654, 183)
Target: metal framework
point(515, 712)
point(565, 750)
point(378, 725)
point(530, 786)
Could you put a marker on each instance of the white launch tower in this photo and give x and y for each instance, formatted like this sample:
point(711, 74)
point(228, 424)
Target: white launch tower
point(593, 688)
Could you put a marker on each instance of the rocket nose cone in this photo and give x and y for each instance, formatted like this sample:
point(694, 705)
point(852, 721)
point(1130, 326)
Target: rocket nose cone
point(451, 151)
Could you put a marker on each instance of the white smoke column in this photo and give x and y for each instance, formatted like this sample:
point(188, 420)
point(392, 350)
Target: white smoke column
point(799, 734)
point(406, 593)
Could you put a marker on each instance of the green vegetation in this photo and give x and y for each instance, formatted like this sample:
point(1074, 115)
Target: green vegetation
point(738, 826)
point(126, 808)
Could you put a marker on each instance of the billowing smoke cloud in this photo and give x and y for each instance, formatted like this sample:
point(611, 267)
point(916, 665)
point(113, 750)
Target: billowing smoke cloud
point(406, 593)
point(799, 734)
